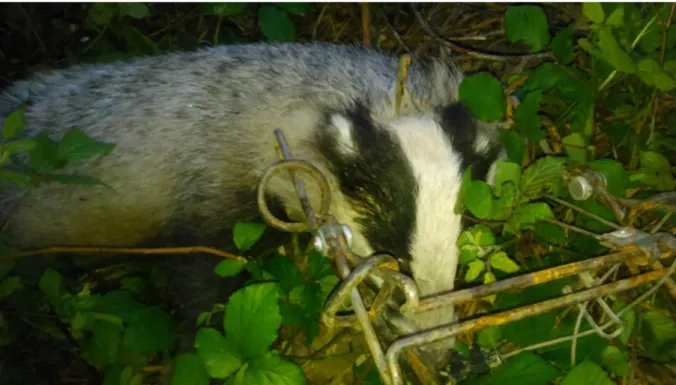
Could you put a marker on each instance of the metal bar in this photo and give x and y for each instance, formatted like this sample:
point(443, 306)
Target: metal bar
point(501, 318)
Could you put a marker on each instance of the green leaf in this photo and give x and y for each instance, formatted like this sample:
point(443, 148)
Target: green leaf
point(135, 285)
point(246, 234)
point(489, 337)
point(318, 266)
point(220, 358)
point(76, 145)
point(223, 9)
point(614, 53)
point(662, 328)
point(616, 17)
point(587, 373)
point(20, 145)
point(526, 216)
point(501, 261)
point(477, 235)
point(550, 233)
point(9, 285)
point(14, 124)
point(514, 144)
point(474, 269)
point(133, 10)
point(252, 318)
point(506, 172)
point(615, 361)
point(562, 45)
point(525, 368)
point(575, 147)
point(44, 157)
point(229, 267)
point(479, 199)
point(468, 253)
point(14, 176)
point(327, 284)
point(189, 370)
point(594, 12)
point(308, 296)
point(527, 119)
point(301, 9)
point(271, 369)
point(484, 97)
point(615, 174)
point(101, 13)
point(6, 267)
point(152, 331)
point(527, 23)
point(653, 74)
point(276, 24)
point(101, 348)
point(504, 206)
point(51, 283)
point(542, 174)
point(284, 271)
point(545, 77)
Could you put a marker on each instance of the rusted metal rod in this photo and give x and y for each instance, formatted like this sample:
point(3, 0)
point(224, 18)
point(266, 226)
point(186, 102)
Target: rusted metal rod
point(508, 316)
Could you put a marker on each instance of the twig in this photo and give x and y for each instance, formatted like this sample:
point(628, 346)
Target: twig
point(366, 23)
point(319, 20)
point(475, 52)
point(665, 34)
point(121, 250)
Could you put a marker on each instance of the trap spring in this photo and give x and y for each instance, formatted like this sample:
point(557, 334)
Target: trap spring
point(334, 240)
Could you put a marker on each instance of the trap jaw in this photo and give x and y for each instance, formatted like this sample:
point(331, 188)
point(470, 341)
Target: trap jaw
point(334, 240)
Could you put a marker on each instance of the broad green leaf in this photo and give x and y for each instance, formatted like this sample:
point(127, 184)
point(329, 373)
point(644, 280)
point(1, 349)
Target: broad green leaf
point(615, 361)
point(135, 285)
point(6, 267)
point(506, 172)
point(20, 145)
point(9, 285)
point(479, 199)
point(527, 119)
point(662, 328)
point(14, 124)
point(652, 74)
point(562, 45)
point(504, 206)
point(527, 23)
point(246, 234)
point(526, 216)
point(252, 318)
point(284, 271)
point(616, 17)
point(474, 269)
point(484, 97)
point(318, 266)
point(617, 177)
point(189, 370)
point(101, 347)
point(15, 176)
point(525, 368)
point(220, 358)
point(501, 261)
point(477, 235)
point(223, 9)
point(229, 268)
point(133, 10)
point(550, 232)
point(575, 147)
point(614, 53)
point(489, 337)
point(544, 77)
point(587, 373)
point(654, 161)
point(514, 144)
point(152, 331)
point(6, 332)
point(594, 12)
point(271, 369)
point(467, 253)
point(301, 9)
point(51, 283)
point(308, 296)
point(276, 24)
point(121, 303)
point(44, 157)
point(542, 174)
point(76, 145)
point(101, 13)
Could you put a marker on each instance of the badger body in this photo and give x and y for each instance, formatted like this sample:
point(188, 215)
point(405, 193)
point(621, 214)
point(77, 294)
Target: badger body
point(194, 133)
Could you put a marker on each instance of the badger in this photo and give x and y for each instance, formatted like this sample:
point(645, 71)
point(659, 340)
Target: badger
point(194, 132)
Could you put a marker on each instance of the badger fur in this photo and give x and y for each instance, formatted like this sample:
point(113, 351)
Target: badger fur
point(194, 133)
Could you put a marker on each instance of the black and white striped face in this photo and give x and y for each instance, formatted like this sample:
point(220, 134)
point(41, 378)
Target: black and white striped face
point(401, 180)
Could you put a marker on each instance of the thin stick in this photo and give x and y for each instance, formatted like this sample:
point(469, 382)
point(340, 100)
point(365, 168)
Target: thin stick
point(121, 250)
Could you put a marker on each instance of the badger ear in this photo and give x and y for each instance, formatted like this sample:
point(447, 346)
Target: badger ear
point(342, 134)
point(348, 133)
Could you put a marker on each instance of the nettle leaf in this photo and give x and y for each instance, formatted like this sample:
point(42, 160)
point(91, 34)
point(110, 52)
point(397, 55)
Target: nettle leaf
point(514, 144)
point(220, 358)
point(594, 12)
point(575, 147)
point(524, 368)
point(246, 234)
point(542, 174)
point(615, 174)
point(189, 370)
point(276, 24)
point(271, 369)
point(134, 10)
point(613, 52)
point(474, 269)
point(301, 9)
point(14, 124)
point(501, 261)
point(526, 216)
point(229, 268)
point(76, 145)
point(284, 271)
point(527, 23)
point(587, 373)
point(223, 9)
point(615, 360)
point(506, 172)
point(484, 97)
point(527, 119)
point(252, 318)
point(653, 74)
point(562, 45)
point(479, 199)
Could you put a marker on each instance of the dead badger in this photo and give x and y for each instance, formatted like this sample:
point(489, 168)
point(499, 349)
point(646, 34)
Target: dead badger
point(194, 133)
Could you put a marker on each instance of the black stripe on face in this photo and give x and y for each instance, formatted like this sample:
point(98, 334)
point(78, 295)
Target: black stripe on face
point(462, 129)
point(377, 180)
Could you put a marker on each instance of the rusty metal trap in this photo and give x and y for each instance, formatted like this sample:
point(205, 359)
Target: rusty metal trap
point(390, 338)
